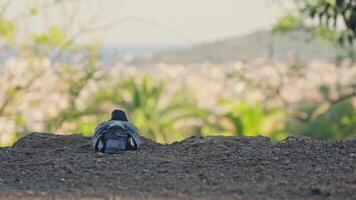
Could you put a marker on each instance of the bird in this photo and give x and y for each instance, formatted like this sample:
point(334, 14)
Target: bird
point(116, 135)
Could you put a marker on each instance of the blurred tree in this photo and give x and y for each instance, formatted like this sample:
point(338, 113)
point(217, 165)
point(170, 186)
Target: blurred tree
point(243, 118)
point(160, 114)
point(329, 13)
point(48, 46)
point(288, 23)
point(327, 16)
point(337, 122)
point(333, 117)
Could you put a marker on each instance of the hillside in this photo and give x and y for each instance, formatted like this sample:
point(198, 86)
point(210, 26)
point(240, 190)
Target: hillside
point(46, 166)
point(251, 46)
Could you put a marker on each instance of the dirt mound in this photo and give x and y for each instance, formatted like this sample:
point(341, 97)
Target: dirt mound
point(50, 141)
point(47, 166)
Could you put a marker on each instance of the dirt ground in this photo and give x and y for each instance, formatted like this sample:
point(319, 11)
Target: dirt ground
point(46, 166)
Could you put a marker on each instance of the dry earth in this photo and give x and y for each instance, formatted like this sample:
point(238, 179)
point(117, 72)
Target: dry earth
point(46, 166)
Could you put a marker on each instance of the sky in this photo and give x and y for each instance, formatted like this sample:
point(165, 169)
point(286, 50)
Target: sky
point(173, 22)
point(189, 21)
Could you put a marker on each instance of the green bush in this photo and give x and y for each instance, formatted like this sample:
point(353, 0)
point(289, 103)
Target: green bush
point(337, 122)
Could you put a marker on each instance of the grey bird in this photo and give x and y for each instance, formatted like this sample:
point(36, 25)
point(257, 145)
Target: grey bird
point(116, 135)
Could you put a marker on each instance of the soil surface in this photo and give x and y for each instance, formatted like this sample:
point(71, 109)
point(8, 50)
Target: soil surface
point(47, 166)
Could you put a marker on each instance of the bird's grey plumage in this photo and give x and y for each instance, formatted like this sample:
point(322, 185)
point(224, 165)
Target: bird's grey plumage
point(115, 136)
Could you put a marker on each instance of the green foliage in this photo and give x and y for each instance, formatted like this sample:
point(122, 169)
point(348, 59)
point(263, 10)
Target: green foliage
point(13, 93)
point(288, 23)
point(330, 12)
point(54, 37)
point(246, 117)
point(33, 10)
point(336, 20)
point(337, 122)
point(251, 119)
point(160, 115)
point(165, 115)
point(328, 119)
point(326, 34)
point(20, 121)
point(73, 113)
point(76, 80)
point(242, 118)
point(7, 29)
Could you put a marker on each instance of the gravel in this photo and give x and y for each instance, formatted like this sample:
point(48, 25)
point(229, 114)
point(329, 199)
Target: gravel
point(48, 166)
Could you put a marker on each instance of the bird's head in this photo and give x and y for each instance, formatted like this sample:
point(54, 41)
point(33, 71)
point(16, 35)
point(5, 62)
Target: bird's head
point(119, 115)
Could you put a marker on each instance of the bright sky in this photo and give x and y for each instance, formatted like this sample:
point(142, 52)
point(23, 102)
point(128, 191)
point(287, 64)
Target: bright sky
point(177, 22)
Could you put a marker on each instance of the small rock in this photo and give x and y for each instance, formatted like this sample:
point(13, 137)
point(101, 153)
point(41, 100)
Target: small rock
point(315, 191)
point(42, 193)
point(299, 139)
point(30, 192)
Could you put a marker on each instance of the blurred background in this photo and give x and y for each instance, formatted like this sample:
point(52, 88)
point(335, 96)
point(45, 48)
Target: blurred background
point(179, 68)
